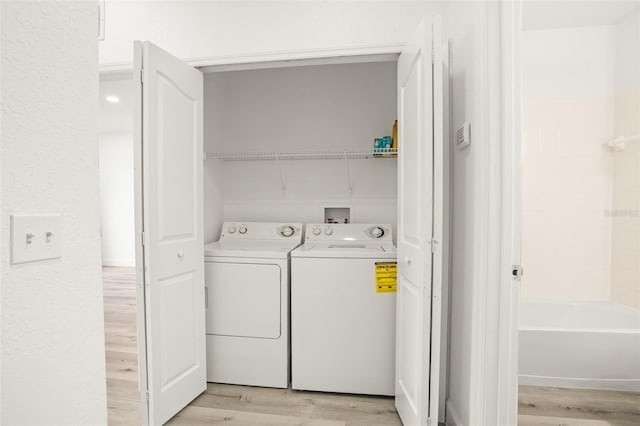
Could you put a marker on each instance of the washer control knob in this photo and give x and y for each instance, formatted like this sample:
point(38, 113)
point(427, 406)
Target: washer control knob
point(328, 231)
point(242, 229)
point(377, 232)
point(316, 231)
point(287, 231)
point(231, 229)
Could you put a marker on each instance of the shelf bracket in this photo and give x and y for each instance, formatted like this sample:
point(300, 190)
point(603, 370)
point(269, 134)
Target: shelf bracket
point(283, 186)
point(346, 163)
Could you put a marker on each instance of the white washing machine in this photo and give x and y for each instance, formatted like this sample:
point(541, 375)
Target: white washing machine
point(342, 324)
point(247, 285)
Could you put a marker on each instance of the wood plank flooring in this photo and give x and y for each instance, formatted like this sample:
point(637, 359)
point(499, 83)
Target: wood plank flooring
point(251, 406)
point(119, 287)
point(245, 405)
point(617, 408)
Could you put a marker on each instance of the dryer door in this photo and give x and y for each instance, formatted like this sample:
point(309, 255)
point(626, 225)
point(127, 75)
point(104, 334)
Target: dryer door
point(243, 299)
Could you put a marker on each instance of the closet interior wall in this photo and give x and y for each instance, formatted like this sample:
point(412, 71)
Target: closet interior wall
point(293, 109)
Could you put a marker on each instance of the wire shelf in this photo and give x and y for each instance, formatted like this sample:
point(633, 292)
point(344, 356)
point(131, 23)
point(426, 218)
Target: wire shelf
point(304, 155)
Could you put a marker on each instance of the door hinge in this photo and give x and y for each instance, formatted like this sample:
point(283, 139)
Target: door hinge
point(141, 76)
point(433, 242)
point(142, 238)
point(147, 396)
point(146, 276)
point(428, 421)
point(517, 271)
point(433, 56)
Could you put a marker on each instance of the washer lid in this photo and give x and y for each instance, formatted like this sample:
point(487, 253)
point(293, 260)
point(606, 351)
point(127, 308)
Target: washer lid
point(344, 249)
point(250, 248)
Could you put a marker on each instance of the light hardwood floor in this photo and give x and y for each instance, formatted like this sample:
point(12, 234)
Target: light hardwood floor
point(251, 406)
point(245, 405)
point(119, 286)
point(616, 408)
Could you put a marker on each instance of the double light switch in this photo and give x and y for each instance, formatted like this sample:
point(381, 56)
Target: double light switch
point(35, 237)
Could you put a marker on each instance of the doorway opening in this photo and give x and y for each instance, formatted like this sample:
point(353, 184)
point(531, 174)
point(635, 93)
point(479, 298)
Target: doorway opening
point(580, 298)
point(218, 210)
point(115, 141)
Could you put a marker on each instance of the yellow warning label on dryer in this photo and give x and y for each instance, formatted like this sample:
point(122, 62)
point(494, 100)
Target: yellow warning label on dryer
point(386, 277)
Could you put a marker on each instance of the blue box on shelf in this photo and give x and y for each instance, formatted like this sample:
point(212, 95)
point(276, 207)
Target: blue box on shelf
point(382, 144)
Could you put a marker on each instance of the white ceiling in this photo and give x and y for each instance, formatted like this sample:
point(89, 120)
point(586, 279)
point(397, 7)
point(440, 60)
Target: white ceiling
point(538, 15)
point(116, 117)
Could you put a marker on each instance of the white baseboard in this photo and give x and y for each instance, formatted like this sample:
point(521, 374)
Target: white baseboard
point(118, 262)
point(626, 385)
point(453, 419)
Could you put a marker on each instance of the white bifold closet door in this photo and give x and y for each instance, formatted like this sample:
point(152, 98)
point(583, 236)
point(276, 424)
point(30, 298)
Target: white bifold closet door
point(420, 226)
point(169, 224)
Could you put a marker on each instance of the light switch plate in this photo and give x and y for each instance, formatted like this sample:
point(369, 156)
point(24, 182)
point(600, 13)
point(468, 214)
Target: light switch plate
point(35, 237)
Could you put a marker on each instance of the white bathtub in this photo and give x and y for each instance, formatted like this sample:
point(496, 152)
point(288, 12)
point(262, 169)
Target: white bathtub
point(582, 344)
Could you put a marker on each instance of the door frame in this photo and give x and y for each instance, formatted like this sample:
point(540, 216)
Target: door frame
point(494, 367)
point(243, 62)
point(371, 53)
point(511, 24)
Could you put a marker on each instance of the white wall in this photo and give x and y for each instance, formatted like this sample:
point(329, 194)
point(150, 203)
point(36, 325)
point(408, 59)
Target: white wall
point(302, 109)
point(199, 29)
point(116, 199)
point(214, 96)
point(568, 115)
point(52, 360)
point(469, 103)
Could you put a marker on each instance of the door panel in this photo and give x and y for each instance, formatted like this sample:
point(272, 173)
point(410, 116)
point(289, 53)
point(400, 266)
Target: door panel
point(176, 112)
point(177, 340)
point(411, 211)
point(408, 381)
point(414, 226)
point(417, 322)
point(171, 151)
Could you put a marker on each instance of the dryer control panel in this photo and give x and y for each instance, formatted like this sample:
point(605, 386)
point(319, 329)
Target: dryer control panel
point(261, 231)
point(348, 232)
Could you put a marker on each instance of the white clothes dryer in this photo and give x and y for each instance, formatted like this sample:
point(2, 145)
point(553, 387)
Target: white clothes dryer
point(247, 286)
point(342, 323)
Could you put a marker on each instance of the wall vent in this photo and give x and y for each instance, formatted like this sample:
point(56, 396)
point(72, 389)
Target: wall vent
point(463, 136)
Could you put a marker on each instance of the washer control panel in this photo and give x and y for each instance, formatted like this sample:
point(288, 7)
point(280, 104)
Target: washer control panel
point(287, 231)
point(347, 232)
point(261, 231)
